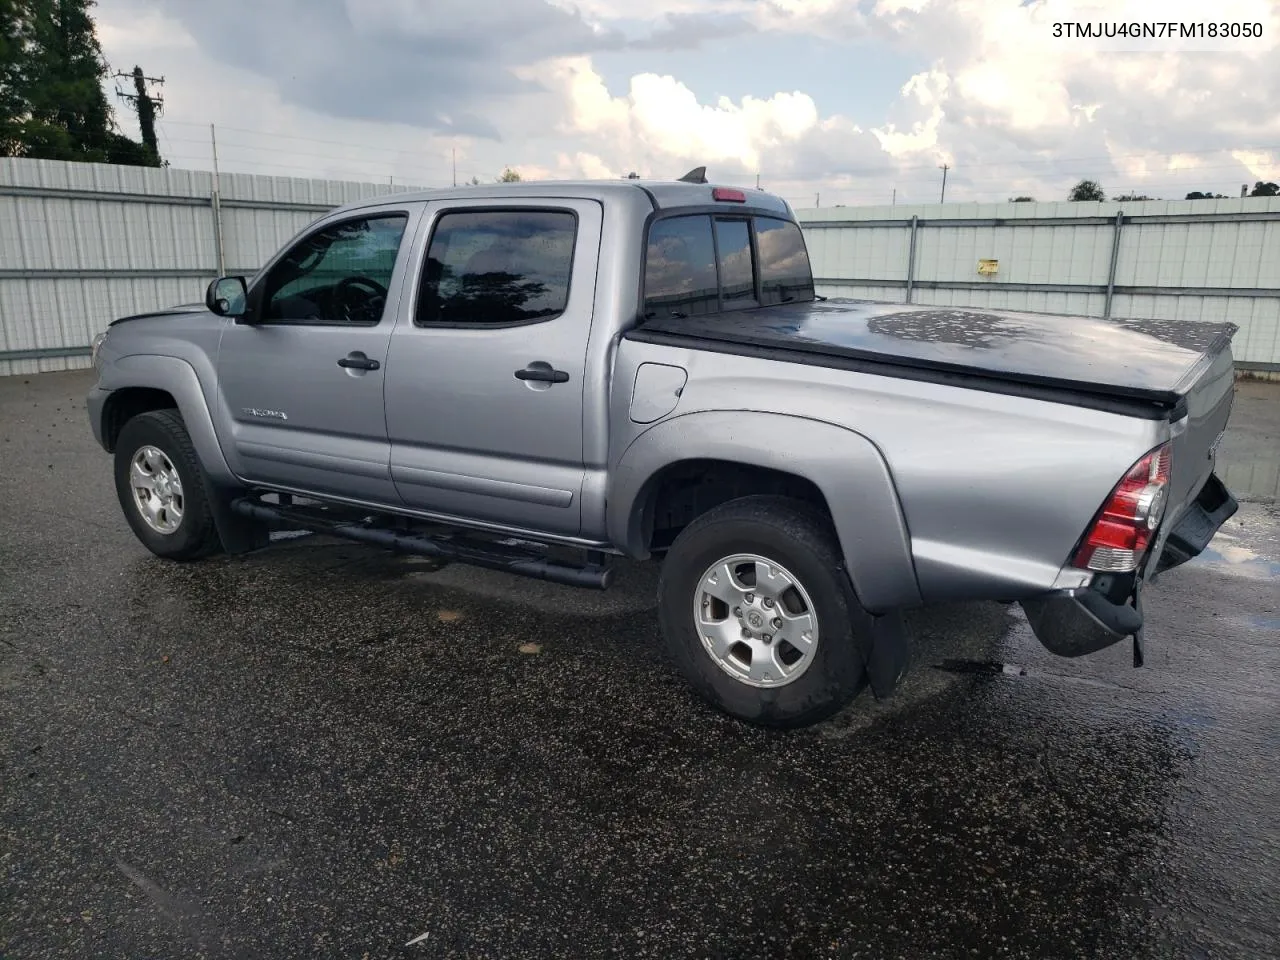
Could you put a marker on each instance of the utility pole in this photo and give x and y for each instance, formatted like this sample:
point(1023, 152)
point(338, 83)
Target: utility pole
point(757, 181)
point(945, 168)
point(148, 106)
point(216, 203)
point(453, 152)
point(817, 200)
point(894, 201)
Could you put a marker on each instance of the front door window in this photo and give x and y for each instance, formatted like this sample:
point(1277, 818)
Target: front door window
point(337, 275)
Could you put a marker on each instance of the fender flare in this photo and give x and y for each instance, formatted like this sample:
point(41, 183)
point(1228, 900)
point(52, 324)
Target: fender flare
point(846, 467)
point(179, 379)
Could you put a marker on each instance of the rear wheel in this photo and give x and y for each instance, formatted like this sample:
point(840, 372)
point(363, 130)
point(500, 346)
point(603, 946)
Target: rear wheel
point(755, 608)
point(160, 485)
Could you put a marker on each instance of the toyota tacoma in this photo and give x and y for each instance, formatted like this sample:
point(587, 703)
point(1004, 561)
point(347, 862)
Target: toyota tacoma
point(543, 377)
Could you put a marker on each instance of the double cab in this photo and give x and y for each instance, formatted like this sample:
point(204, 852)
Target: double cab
point(544, 377)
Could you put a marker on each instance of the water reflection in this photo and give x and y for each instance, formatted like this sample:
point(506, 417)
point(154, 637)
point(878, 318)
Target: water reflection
point(1239, 561)
point(966, 328)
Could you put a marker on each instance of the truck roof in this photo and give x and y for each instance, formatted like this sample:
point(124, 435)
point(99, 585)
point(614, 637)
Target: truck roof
point(662, 194)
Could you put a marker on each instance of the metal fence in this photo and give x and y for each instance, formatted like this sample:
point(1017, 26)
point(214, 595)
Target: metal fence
point(1180, 260)
point(82, 244)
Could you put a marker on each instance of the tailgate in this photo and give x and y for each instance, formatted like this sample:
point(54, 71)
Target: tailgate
point(1195, 437)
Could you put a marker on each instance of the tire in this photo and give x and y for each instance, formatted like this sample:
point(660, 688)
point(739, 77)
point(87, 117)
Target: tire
point(182, 528)
point(753, 680)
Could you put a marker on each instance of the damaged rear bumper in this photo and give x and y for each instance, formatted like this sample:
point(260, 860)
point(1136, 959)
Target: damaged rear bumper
point(1073, 623)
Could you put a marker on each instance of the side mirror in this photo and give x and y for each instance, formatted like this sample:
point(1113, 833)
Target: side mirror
point(227, 297)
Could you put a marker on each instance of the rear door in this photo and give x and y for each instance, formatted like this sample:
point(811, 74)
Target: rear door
point(302, 385)
point(484, 386)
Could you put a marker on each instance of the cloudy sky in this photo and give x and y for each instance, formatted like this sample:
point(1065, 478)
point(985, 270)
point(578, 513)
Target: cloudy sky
point(848, 100)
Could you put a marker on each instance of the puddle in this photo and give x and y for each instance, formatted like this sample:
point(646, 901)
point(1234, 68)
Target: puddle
point(1239, 561)
point(1264, 623)
point(981, 667)
point(289, 534)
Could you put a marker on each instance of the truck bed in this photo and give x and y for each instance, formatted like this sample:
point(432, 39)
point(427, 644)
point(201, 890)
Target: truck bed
point(1138, 367)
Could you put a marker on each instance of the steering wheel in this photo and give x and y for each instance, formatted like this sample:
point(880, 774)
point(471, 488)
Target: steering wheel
point(360, 299)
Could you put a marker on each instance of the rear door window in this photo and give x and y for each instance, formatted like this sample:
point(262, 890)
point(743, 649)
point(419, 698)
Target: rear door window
point(785, 274)
point(497, 267)
point(680, 268)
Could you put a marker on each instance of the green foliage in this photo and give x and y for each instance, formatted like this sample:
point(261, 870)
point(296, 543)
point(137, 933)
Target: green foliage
point(52, 105)
point(1130, 197)
point(1197, 195)
point(509, 176)
point(1087, 190)
point(1022, 199)
point(1261, 189)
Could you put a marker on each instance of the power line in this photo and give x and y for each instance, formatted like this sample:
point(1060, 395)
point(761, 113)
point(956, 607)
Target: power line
point(1025, 164)
point(323, 170)
point(1025, 174)
point(418, 162)
point(289, 136)
point(863, 171)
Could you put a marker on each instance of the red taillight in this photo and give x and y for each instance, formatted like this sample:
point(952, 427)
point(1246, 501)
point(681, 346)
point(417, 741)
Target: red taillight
point(1122, 531)
point(727, 195)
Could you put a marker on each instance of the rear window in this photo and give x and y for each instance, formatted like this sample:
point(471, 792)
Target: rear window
point(680, 268)
point(737, 272)
point(700, 264)
point(497, 266)
point(785, 273)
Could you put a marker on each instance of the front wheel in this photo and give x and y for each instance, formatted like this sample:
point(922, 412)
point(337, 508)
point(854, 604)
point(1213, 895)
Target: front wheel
point(160, 485)
point(755, 608)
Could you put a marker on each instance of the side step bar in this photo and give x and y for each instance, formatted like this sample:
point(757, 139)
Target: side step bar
point(525, 563)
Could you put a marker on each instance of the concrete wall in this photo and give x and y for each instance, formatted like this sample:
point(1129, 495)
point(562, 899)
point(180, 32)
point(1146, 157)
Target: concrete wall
point(1182, 260)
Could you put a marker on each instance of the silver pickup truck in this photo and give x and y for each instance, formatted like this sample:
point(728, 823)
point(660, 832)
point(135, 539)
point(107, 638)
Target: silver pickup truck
point(542, 377)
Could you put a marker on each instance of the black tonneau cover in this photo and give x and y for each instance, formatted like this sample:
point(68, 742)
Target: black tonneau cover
point(1144, 364)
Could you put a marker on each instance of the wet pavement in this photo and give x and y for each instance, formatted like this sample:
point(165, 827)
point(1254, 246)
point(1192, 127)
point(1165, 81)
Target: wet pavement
point(321, 750)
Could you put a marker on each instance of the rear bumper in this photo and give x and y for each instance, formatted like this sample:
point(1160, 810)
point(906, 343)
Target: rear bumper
point(1213, 506)
point(1072, 623)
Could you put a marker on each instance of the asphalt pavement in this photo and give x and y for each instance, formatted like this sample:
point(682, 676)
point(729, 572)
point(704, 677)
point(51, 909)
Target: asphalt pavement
point(320, 750)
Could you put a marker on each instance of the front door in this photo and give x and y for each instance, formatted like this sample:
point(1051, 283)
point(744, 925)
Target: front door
point(485, 372)
point(302, 382)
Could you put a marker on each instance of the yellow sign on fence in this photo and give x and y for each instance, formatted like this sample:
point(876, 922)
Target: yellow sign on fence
point(988, 268)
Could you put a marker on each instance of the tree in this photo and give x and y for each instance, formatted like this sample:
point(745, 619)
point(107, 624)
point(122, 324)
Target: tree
point(1261, 189)
point(1130, 197)
point(510, 176)
point(1197, 195)
point(52, 104)
point(1087, 190)
point(1022, 199)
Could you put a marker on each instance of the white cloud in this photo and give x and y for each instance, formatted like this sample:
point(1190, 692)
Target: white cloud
point(1262, 164)
point(661, 118)
point(1010, 107)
